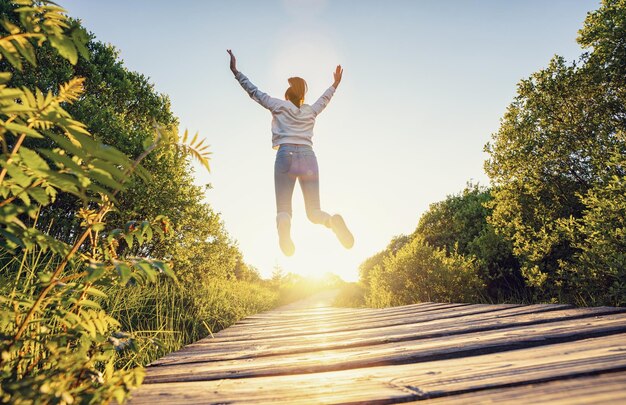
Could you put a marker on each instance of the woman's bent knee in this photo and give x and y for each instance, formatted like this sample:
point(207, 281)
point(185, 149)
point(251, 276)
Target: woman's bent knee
point(318, 217)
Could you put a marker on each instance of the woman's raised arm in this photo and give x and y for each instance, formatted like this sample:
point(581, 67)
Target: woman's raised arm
point(323, 101)
point(256, 94)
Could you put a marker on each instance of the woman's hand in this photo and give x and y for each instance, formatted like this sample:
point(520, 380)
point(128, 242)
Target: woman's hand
point(337, 75)
point(233, 62)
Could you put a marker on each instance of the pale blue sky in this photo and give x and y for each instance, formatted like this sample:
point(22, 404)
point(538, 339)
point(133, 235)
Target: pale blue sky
point(425, 85)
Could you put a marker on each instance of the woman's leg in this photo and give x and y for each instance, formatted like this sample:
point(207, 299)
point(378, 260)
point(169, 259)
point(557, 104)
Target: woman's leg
point(284, 183)
point(310, 184)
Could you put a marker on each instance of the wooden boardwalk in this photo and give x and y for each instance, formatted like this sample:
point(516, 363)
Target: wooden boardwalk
point(311, 352)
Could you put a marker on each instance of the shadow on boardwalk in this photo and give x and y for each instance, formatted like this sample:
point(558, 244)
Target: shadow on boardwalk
point(310, 352)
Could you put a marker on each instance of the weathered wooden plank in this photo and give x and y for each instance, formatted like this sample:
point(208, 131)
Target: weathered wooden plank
point(394, 353)
point(318, 318)
point(467, 314)
point(391, 384)
point(369, 337)
point(358, 324)
point(608, 389)
point(299, 325)
point(321, 391)
point(310, 352)
point(286, 313)
point(278, 314)
point(354, 324)
point(305, 325)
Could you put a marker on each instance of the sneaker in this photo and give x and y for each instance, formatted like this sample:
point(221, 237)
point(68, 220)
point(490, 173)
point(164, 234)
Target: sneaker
point(344, 235)
point(283, 223)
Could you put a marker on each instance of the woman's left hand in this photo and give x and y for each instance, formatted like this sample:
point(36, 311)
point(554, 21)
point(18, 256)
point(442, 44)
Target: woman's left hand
point(233, 62)
point(337, 75)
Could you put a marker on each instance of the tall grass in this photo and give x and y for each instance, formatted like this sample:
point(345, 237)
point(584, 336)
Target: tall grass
point(167, 316)
point(160, 318)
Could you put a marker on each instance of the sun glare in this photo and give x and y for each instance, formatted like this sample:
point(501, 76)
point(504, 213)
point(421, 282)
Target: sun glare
point(317, 249)
point(309, 56)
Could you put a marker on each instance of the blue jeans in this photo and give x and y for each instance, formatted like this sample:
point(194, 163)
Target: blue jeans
point(298, 162)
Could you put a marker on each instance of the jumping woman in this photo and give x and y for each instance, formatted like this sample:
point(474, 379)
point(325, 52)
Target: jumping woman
point(292, 130)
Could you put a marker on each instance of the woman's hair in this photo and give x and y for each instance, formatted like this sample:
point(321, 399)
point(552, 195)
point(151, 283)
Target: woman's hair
point(296, 91)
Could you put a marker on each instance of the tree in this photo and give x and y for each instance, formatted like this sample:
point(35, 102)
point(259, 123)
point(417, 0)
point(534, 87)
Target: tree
point(550, 162)
point(121, 108)
point(459, 224)
point(57, 342)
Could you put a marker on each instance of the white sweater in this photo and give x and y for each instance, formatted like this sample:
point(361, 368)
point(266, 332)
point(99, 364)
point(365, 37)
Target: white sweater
point(290, 124)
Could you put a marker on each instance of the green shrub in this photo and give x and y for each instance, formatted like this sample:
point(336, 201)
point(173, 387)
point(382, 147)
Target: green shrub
point(419, 272)
point(459, 224)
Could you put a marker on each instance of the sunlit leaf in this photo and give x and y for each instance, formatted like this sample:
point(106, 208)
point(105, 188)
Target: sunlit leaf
point(18, 176)
point(10, 53)
point(80, 37)
point(89, 304)
point(5, 77)
point(20, 129)
point(104, 178)
point(63, 161)
point(32, 159)
point(124, 271)
point(146, 269)
point(164, 268)
point(129, 240)
point(26, 50)
point(9, 26)
point(96, 292)
point(95, 271)
point(40, 195)
point(72, 90)
point(66, 48)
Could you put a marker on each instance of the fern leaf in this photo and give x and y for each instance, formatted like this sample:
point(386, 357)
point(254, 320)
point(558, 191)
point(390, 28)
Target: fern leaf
point(29, 98)
point(71, 91)
point(12, 47)
point(198, 146)
point(40, 99)
point(195, 149)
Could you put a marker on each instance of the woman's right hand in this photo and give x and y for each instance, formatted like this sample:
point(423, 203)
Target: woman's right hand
point(233, 62)
point(337, 75)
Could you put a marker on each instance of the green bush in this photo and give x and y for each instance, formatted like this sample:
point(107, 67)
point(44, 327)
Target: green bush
point(459, 224)
point(419, 272)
